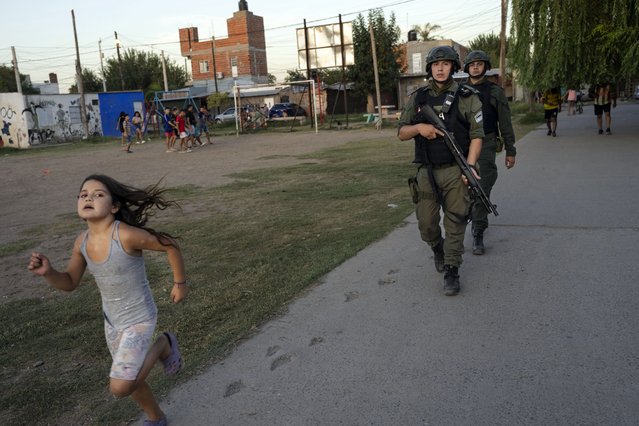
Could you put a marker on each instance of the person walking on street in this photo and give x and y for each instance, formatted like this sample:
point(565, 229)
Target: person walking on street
point(439, 184)
point(604, 95)
point(498, 132)
point(571, 97)
point(551, 100)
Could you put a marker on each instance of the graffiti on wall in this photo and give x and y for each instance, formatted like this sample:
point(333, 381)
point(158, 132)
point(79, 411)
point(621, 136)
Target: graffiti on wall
point(54, 119)
point(12, 131)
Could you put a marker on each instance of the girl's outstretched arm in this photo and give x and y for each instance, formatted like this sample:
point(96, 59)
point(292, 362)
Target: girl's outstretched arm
point(69, 280)
point(136, 240)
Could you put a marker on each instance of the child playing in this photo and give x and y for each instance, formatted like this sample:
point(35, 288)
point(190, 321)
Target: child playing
point(136, 121)
point(116, 215)
point(169, 129)
point(126, 133)
point(180, 122)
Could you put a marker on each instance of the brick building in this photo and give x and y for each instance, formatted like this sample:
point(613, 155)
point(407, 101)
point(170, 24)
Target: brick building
point(239, 57)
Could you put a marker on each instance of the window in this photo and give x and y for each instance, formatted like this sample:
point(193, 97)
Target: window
point(204, 67)
point(75, 116)
point(234, 66)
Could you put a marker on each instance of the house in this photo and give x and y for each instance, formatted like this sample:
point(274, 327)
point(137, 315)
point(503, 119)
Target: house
point(414, 64)
point(240, 58)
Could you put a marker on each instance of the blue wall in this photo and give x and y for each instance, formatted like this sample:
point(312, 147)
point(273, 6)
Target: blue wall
point(111, 104)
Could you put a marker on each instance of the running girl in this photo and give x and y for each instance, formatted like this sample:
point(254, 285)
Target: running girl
point(111, 247)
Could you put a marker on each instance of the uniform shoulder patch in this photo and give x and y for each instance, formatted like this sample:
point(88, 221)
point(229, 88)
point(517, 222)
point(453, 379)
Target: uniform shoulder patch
point(479, 117)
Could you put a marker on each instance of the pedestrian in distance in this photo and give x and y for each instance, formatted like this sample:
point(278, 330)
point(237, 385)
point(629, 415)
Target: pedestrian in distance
point(168, 121)
point(136, 123)
point(571, 97)
point(604, 95)
point(552, 104)
point(498, 133)
point(202, 119)
point(126, 133)
point(439, 181)
point(120, 127)
point(112, 249)
point(180, 122)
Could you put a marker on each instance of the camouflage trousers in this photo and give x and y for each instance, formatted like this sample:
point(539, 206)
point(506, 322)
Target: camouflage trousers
point(456, 210)
point(488, 172)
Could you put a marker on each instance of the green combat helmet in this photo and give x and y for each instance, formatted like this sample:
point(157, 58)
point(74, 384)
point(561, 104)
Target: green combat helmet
point(475, 56)
point(442, 53)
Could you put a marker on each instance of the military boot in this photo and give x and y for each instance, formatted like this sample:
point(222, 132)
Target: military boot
point(438, 256)
point(451, 280)
point(478, 243)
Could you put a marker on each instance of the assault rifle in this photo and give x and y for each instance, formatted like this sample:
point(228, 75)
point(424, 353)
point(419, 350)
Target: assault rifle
point(428, 115)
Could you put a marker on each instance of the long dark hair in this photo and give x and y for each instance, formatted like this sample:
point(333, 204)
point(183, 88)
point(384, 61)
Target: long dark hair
point(135, 205)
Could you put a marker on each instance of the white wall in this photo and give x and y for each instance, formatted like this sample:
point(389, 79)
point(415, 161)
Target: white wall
point(42, 119)
point(13, 131)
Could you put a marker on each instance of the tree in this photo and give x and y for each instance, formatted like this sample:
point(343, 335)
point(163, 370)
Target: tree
point(294, 75)
point(490, 44)
point(424, 31)
point(91, 82)
point(141, 71)
point(387, 48)
point(571, 42)
point(8, 82)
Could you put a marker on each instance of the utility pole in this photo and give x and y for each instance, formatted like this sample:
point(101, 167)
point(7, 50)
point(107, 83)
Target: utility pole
point(78, 73)
point(15, 69)
point(214, 66)
point(377, 90)
point(166, 80)
point(102, 65)
point(502, 43)
point(311, 107)
point(342, 48)
point(117, 47)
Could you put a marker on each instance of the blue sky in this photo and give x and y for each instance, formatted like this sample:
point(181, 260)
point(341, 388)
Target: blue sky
point(42, 31)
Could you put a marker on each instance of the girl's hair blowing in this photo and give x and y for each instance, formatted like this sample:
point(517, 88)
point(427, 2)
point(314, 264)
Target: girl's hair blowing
point(135, 205)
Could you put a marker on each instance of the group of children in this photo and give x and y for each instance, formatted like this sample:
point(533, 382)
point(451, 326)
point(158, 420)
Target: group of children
point(128, 126)
point(185, 125)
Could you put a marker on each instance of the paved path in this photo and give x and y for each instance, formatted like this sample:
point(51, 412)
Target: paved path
point(544, 331)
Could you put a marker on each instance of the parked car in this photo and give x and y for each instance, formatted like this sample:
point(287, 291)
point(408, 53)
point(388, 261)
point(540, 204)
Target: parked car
point(286, 109)
point(636, 96)
point(227, 115)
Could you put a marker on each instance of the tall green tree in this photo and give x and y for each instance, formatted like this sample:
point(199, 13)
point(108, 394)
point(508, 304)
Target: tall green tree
point(425, 31)
point(387, 50)
point(571, 42)
point(8, 82)
point(91, 82)
point(142, 71)
point(490, 44)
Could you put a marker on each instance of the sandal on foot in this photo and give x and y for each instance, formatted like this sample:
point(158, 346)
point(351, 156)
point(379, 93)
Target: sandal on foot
point(173, 363)
point(161, 422)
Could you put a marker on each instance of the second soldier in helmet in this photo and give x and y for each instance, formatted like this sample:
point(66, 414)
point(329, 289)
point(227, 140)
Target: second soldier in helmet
point(498, 132)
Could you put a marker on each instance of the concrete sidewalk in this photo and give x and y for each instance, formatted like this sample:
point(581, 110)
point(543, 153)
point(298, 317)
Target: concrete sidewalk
point(544, 331)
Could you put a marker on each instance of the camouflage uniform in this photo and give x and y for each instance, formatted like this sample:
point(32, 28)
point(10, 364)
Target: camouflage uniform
point(447, 175)
point(497, 122)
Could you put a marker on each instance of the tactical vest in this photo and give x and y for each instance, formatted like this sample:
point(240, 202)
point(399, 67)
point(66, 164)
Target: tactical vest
point(436, 151)
point(488, 111)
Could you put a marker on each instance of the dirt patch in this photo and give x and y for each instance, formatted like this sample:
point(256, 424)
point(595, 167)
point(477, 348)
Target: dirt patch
point(36, 189)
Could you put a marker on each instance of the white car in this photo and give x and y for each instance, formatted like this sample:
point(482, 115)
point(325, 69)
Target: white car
point(227, 115)
point(637, 93)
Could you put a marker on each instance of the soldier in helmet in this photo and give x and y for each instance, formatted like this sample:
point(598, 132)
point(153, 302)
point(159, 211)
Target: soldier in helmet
point(498, 132)
point(439, 182)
